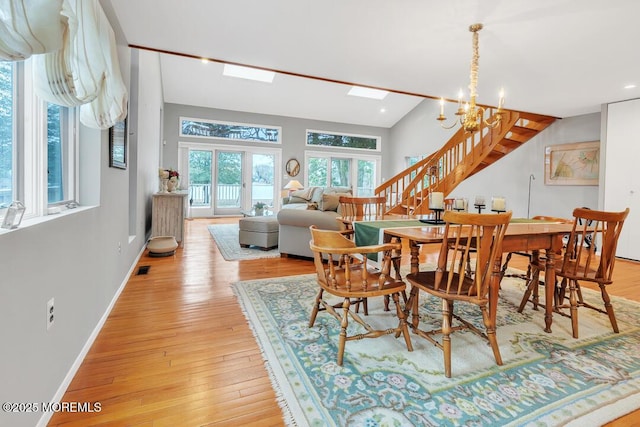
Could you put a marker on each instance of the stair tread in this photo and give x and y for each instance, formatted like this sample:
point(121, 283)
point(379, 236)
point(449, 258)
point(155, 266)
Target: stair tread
point(520, 128)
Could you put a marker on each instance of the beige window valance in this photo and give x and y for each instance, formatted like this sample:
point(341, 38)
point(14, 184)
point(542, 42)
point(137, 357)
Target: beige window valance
point(83, 68)
point(29, 27)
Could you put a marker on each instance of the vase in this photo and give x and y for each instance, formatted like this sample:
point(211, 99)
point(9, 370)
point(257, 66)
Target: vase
point(259, 211)
point(172, 186)
point(163, 185)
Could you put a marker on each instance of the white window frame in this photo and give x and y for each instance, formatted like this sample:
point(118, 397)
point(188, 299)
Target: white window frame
point(221, 122)
point(328, 132)
point(354, 157)
point(30, 148)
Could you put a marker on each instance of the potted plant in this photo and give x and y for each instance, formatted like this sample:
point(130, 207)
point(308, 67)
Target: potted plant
point(259, 208)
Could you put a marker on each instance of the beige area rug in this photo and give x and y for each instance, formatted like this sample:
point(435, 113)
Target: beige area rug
point(226, 238)
point(546, 380)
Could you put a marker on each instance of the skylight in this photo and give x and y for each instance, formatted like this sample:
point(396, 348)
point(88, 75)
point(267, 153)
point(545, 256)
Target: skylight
point(248, 73)
point(366, 92)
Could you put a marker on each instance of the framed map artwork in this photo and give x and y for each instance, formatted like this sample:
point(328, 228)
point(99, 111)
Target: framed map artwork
point(572, 164)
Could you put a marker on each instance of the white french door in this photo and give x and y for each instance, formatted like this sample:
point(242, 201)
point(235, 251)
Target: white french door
point(226, 180)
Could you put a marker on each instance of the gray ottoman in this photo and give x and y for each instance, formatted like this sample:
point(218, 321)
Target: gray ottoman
point(261, 231)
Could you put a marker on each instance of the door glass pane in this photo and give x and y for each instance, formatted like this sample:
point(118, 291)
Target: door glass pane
point(228, 179)
point(340, 172)
point(200, 178)
point(6, 134)
point(262, 176)
point(366, 178)
point(318, 171)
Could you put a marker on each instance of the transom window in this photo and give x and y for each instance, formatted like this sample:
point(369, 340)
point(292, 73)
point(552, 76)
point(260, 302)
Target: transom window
point(202, 128)
point(342, 140)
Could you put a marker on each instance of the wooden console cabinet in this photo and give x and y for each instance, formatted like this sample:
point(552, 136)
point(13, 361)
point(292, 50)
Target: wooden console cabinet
point(168, 212)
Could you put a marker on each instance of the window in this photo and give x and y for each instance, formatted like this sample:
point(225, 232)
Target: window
point(342, 140)
point(338, 170)
point(7, 130)
point(229, 130)
point(37, 144)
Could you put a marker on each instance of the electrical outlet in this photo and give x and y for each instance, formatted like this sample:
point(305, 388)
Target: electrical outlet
point(50, 313)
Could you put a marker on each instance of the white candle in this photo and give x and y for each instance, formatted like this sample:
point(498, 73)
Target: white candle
point(479, 200)
point(436, 200)
point(459, 204)
point(498, 204)
point(442, 106)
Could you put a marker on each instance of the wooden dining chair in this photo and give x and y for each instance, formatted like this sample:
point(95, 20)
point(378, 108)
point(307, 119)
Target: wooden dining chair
point(581, 263)
point(528, 275)
point(463, 232)
point(354, 280)
point(535, 268)
point(362, 206)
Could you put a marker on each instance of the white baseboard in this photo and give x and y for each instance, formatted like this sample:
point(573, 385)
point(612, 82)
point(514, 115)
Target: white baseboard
point(57, 397)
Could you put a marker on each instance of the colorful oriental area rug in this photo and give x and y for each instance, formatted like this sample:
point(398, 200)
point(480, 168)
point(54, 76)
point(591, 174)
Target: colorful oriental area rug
point(546, 380)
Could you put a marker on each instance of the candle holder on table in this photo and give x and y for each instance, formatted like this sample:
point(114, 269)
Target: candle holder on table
point(498, 204)
point(460, 205)
point(438, 217)
point(436, 204)
point(479, 204)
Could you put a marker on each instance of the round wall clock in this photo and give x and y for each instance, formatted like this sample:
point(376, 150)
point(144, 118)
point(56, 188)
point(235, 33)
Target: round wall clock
point(292, 167)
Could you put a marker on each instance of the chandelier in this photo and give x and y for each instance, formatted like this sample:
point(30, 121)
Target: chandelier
point(470, 116)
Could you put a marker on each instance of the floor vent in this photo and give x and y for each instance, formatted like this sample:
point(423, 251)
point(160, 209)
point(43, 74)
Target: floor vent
point(143, 270)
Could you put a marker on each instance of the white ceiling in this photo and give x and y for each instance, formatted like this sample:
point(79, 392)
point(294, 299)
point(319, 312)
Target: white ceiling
point(555, 57)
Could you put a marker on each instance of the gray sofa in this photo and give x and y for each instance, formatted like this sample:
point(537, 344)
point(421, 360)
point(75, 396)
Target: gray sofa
point(315, 206)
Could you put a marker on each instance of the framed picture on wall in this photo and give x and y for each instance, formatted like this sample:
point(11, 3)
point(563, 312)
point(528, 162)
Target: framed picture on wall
point(118, 145)
point(572, 164)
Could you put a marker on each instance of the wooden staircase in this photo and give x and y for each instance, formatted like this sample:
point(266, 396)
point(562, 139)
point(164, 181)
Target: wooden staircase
point(464, 155)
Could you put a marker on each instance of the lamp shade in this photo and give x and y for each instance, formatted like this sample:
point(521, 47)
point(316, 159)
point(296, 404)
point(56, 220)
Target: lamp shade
point(293, 185)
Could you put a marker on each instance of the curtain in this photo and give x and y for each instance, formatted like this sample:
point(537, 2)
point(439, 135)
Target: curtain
point(29, 27)
point(75, 61)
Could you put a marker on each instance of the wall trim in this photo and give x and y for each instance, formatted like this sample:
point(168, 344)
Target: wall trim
point(59, 394)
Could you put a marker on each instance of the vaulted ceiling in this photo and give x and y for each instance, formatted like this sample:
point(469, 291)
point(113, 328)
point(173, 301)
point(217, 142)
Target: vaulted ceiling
point(554, 57)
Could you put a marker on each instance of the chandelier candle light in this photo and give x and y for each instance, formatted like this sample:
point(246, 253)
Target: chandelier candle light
point(469, 114)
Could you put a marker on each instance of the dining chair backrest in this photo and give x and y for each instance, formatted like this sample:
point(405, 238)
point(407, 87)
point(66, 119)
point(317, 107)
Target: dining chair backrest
point(464, 234)
point(592, 229)
point(362, 206)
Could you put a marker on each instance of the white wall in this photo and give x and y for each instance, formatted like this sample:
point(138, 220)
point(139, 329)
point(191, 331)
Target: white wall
point(417, 133)
point(74, 258)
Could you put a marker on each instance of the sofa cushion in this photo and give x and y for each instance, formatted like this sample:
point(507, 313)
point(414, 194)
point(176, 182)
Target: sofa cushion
point(323, 220)
point(331, 201)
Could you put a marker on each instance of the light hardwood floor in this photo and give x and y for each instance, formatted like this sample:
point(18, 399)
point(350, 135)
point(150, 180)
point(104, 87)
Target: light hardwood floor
point(176, 349)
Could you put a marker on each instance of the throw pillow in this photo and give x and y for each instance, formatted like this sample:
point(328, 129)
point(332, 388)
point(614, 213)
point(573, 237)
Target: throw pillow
point(301, 196)
point(331, 201)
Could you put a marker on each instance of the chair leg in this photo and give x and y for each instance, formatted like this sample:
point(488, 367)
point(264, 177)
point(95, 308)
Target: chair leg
point(573, 307)
point(447, 314)
point(403, 328)
point(490, 324)
point(342, 339)
point(316, 308)
point(532, 288)
point(609, 308)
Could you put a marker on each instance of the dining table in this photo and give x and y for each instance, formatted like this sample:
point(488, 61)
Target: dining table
point(522, 235)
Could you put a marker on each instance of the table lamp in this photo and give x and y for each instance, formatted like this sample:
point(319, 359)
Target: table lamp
point(293, 185)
